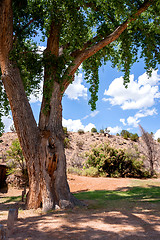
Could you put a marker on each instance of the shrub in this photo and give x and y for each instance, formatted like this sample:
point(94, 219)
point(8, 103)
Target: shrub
point(93, 130)
point(158, 140)
point(101, 131)
point(67, 142)
point(114, 163)
point(65, 131)
point(81, 131)
point(74, 170)
point(90, 172)
point(15, 157)
point(117, 134)
point(125, 134)
point(16, 161)
point(134, 137)
point(80, 144)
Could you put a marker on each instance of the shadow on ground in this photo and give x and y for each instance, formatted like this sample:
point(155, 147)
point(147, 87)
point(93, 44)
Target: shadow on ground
point(130, 214)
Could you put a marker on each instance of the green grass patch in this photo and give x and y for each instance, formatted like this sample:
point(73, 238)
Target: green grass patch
point(10, 199)
point(118, 199)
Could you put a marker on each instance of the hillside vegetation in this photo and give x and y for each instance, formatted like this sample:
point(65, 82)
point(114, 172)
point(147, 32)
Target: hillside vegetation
point(80, 147)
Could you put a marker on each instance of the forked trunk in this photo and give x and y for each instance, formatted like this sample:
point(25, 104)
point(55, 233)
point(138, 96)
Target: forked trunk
point(43, 146)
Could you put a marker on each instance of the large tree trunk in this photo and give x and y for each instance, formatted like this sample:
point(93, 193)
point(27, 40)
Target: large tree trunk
point(43, 146)
point(52, 146)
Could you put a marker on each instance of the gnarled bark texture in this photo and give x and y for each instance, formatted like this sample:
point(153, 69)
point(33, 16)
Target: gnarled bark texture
point(43, 146)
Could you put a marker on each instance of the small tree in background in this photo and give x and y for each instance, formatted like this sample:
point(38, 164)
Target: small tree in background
point(125, 134)
point(16, 159)
point(150, 149)
point(101, 131)
point(81, 131)
point(158, 140)
point(93, 130)
point(134, 137)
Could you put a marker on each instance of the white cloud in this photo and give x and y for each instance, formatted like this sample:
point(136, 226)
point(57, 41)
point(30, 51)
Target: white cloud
point(157, 134)
point(41, 49)
point(75, 125)
point(36, 96)
point(7, 122)
point(122, 120)
point(88, 127)
point(92, 114)
point(77, 89)
point(114, 130)
point(153, 80)
point(146, 113)
point(139, 94)
point(133, 121)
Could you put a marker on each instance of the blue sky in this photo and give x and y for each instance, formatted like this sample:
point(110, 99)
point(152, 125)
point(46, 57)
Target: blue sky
point(117, 108)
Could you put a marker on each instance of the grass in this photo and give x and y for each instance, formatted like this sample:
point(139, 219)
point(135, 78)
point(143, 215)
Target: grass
point(140, 194)
point(10, 199)
point(133, 197)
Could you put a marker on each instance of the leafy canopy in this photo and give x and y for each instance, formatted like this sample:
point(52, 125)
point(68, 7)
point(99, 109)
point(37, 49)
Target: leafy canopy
point(81, 25)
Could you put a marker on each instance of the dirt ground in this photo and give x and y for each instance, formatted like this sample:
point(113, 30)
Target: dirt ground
point(83, 223)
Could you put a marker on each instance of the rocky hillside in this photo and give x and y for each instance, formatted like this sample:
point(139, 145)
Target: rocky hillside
point(79, 144)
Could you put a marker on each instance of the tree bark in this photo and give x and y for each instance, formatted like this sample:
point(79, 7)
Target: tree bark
point(51, 128)
point(43, 146)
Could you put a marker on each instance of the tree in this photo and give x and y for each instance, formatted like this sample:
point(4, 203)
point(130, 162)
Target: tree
point(150, 150)
point(93, 130)
point(85, 31)
point(15, 158)
point(125, 134)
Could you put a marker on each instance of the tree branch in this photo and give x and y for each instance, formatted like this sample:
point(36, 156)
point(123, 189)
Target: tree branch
point(53, 49)
point(83, 54)
point(6, 31)
point(53, 39)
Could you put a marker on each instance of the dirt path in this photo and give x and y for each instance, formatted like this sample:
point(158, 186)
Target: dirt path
point(88, 224)
point(79, 183)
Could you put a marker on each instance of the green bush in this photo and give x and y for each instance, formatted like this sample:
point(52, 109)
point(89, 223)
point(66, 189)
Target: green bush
point(93, 130)
point(158, 140)
point(90, 172)
point(74, 170)
point(134, 137)
point(81, 131)
point(101, 131)
point(126, 135)
point(115, 163)
point(16, 161)
point(67, 142)
point(65, 131)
